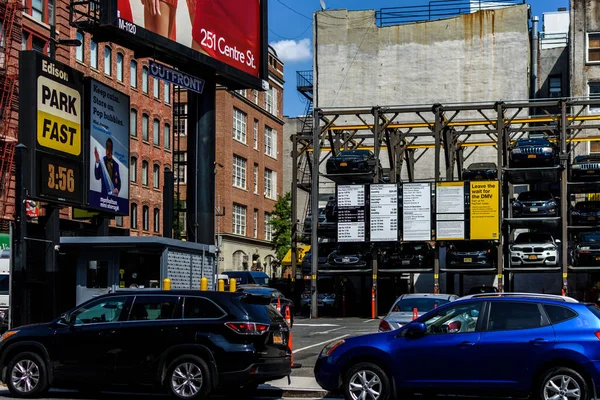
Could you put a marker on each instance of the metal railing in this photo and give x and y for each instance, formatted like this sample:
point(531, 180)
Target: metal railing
point(437, 9)
point(304, 79)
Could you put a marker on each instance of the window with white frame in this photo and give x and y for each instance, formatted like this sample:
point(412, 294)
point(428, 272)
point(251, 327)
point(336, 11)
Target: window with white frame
point(156, 176)
point(146, 218)
point(145, 127)
point(107, 60)
point(239, 219)
point(156, 220)
point(133, 216)
point(145, 173)
point(255, 233)
point(593, 51)
point(255, 134)
point(133, 73)
point(255, 92)
point(145, 79)
point(239, 172)
point(239, 125)
point(156, 88)
point(167, 136)
point(270, 184)
point(268, 227)
point(555, 86)
point(156, 132)
point(78, 51)
point(270, 142)
point(255, 178)
point(269, 99)
point(133, 170)
point(594, 88)
point(133, 123)
point(180, 173)
point(93, 54)
point(180, 118)
point(167, 90)
point(120, 67)
point(241, 92)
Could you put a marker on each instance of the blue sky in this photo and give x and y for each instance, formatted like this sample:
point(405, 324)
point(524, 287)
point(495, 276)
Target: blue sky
point(290, 32)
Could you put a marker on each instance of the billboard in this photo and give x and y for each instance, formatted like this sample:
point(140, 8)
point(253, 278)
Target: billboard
point(485, 212)
point(108, 151)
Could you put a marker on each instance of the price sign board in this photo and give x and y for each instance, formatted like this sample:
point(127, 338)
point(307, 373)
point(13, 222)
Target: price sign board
point(450, 211)
point(351, 213)
point(384, 213)
point(416, 212)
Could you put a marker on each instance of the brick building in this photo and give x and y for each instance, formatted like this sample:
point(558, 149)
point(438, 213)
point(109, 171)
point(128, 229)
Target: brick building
point(249, 173)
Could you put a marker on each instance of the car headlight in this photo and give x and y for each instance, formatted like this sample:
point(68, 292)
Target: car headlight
point(517, 204)
point(327, 350)
point(576, 166)
point(7, 335)
point(584, 248)
point(547, 149)
point(516, 151)
point(575, 213)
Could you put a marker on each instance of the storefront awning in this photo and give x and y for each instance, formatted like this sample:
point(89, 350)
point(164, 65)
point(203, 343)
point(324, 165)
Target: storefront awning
point(301, 251)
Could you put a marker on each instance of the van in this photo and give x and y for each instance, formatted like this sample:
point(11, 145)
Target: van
point(248, 277)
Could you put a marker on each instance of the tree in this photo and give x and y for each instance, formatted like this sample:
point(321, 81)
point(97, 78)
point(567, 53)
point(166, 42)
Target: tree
point(282, 225)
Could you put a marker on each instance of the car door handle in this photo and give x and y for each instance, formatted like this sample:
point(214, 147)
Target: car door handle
point(538, 341)
point(108, 333)
point(464, 345)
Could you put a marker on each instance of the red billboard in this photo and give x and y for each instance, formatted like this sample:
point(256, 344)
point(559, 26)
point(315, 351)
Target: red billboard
point(229, 31)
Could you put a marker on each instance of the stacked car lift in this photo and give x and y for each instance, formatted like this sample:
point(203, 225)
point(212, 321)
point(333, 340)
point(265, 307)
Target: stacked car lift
point(404, 134)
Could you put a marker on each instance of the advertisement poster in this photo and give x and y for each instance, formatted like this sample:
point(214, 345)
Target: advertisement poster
point(384, 213)
point(351, 213)
point(416, 212)
point(450, 211)
point(226, 30)
point(109, 149)
point(484, 210)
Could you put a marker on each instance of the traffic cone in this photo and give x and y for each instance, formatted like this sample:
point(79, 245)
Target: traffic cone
point(278, 305)
point(415, 314)
point(288, 319)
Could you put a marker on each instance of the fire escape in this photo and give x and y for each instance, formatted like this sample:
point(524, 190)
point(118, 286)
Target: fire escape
point(10, 36)
point(304, 85)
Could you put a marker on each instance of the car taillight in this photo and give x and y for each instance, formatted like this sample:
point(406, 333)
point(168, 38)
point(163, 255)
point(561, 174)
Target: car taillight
point(597, 334)
point(247, 328)
point(384, 326)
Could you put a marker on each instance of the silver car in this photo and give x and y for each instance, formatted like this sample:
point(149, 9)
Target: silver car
point(410, 306)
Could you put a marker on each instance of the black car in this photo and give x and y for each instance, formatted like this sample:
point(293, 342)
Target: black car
point(353, 162)
point(189, 343)
point(277, 298)
point(537, 152)
point(350, 256)
point(409, 255)
point(586, 213)
point(587, 250)
point(324, 250)
point(307, 228)
point(480, 171)
point(535, 204)
point(328, 227)
point(471, 254)
point(586, 168)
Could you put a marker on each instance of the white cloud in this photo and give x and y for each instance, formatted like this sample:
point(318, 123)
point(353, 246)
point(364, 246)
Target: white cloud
point(292, 50)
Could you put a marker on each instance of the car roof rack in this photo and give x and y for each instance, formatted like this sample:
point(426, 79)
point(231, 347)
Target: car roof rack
point(523, 295)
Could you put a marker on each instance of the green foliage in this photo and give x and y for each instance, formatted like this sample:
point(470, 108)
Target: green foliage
point(282, 225)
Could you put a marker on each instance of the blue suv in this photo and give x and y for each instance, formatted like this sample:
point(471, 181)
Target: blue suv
point(518, 345)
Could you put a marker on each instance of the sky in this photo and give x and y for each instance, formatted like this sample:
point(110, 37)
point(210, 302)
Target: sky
point(290, 33)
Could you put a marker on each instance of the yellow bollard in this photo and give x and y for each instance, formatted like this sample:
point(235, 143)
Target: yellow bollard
point(166, 284)
point(204, 284)
point(232, 285)
point(221, 285)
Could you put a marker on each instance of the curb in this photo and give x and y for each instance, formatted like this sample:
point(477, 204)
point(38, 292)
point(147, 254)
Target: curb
point(292, 392)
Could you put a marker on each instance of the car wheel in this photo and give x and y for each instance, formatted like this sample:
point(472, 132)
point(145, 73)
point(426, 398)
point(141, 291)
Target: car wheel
point(188, 377)
point(367, 381)
point(562, 383)
point(26, 375)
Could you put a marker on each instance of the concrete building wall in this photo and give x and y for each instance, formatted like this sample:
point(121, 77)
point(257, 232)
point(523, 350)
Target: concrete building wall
point(553, 63)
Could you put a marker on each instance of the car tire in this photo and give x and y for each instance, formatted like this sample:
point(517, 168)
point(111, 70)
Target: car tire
point(188, 377)
point(27, 376)
point(561, 380)
point(370, 374)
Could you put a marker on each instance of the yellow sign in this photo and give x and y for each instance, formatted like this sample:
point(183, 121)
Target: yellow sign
point(314, 277)
point(499, 276)
point(593, 196)
point(565, 275)
point(436, 276)
point(58, 117)
point(374, 276)
point(485, 212)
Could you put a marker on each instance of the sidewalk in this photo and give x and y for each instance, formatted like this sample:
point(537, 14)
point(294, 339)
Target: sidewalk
point(297, 387)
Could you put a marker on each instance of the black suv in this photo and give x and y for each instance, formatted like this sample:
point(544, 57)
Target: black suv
point(538, 152)
point(188, 342)
point(535, 204)
point(586, 168)
point(481, 171)
point(353, 161)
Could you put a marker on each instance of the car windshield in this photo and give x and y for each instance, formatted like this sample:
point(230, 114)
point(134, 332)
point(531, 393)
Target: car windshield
point(477, 166)
point(262, 291)
point(532, 196)
point(590, 237)
point(588, 205)
point(4, 282)
point(260, 279)
point(587, 158)
point(533, 142)
point(422, 304)
point(471, 246)
point(412, 248)
point(533, 238)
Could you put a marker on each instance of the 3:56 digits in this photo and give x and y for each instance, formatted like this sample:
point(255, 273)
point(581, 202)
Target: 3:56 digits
point(63, 179)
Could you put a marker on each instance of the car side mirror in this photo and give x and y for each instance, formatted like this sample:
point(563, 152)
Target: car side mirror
point(65, 319)
point(416, 330)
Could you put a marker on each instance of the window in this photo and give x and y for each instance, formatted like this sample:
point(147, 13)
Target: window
point(119, 220)
point(255, 134)
point(150, 308)
point(239, 125)
point(145, 218)
point(145, 173)
point(38, 10)
point(239, 172)
point(155, 176)
point(25, 40)
point(241, 92)
point(133, 216)
point(199, 307)
point(268, 227)
point(270, 142)
point(133, 73)
point(107, 60)
point(255, 178)
point(156, 88)
point(120, 67)
point(239, 219)
point(156, 220)
point(270, 182)
point(180, 161)
point(97, 274)
point(457, 319)
point(167, 131)
point(156, 132)
point(133, 123)
point(594, 147)
point(513, 316)
point(271, 100)
point(558, 314)
point(133, 170)
point(167, 90)
point(180, 114)
point(93, 54)
point(255, 92)
point(255, 224)
point(145, 79)
point(593, 47)
point(79, 49)
point(594, 88)
point(555, 86)
point(145, 127)
point(101, 311)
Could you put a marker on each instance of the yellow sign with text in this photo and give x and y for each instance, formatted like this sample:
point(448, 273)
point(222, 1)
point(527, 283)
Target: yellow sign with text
point(59, 110)
point(485, 213)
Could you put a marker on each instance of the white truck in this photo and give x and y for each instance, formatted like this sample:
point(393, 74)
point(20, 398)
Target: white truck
point(4, 288)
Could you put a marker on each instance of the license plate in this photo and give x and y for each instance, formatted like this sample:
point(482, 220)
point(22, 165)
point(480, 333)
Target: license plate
point(343, 164)
point(405, 262)
point(479, 177)
point(591, 218)
point(345, 260)
point(533, 257)
point(277, 338)
point(533, 209)
point(532, 156)
point(598, 258)
point(591, 172)
point(468, 260)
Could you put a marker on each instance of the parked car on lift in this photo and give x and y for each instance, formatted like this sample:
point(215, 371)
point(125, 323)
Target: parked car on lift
point(585, 168)
point(534, 249)
point(353, 162)
point(403, 310)
point(471, 254)
point(408, 255)
point(276, 298)
point(328, 227)
point(586, 213)
point(537, 152)
point(535, 204)
point(324, 250)
point(188, 342)
point(307, 226)
point(350, 256)
point(587, 250)
point(480, 171)
point(248, 277)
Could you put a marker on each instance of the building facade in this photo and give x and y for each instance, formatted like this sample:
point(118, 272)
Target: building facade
point(249, 170)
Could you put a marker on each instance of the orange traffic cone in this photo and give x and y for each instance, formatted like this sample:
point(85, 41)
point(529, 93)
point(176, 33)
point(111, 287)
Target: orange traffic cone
point(278, 305)
point(290, 343)
point(288, 317)
point(415, 314)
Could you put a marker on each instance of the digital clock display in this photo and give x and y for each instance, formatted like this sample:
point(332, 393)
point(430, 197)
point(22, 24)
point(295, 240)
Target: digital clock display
point(60, 179)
